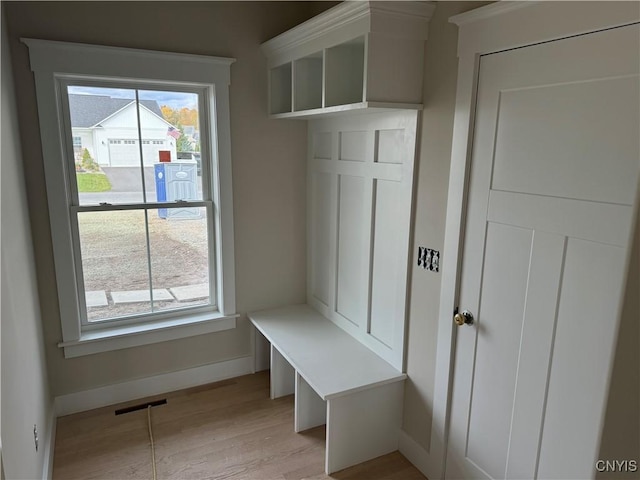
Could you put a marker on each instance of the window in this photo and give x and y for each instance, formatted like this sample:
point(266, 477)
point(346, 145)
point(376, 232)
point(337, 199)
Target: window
point(143, 240)
point(77, 142)
point(135, 258)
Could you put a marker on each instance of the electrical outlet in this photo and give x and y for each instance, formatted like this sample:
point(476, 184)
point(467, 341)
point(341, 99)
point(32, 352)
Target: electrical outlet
point(429, 259)
point(35, 436)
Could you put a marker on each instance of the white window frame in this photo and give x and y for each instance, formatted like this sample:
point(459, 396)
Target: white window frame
point(55, 62)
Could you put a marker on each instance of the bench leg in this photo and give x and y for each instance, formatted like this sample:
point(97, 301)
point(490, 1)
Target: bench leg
point(310, 410)
point(282, 375)
point(363, 425)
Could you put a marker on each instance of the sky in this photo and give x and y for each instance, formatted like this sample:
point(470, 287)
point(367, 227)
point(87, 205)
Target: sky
point(171, 99)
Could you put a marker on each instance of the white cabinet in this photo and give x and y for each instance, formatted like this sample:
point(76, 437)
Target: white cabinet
point(353, 56)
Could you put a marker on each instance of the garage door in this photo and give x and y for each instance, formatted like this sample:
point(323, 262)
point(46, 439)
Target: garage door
point(150, 149)
point(126, 152)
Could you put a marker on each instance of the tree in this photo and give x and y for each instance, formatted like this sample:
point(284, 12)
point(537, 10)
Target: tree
point(88, 163)
point(170, 115)
point(183, 144)
point(181, 118)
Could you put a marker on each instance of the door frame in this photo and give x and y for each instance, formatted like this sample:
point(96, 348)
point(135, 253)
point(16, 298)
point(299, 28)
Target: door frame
point(496, 27)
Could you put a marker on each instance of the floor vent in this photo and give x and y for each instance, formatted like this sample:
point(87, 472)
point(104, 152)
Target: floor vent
point(142, 406)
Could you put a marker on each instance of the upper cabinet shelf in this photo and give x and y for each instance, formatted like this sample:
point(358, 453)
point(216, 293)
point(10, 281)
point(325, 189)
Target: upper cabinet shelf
point(357, 55)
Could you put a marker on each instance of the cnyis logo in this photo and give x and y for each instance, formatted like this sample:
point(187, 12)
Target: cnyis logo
point(617, 465)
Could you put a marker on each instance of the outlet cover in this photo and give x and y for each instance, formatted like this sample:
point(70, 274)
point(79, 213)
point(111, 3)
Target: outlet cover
point(429, 259)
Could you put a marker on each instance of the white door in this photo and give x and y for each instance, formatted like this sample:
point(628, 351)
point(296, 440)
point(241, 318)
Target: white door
point(553, 179)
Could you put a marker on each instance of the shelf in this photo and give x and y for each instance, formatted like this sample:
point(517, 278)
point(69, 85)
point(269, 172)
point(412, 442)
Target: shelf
point(359, 107)
point(280, 89)
point(345, 73)
point(355, 56)
point(308, 82)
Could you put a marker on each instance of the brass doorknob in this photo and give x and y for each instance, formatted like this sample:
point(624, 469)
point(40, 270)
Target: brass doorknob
point(464, 318)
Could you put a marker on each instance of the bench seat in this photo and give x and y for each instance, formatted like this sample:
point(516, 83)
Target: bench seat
point(336, 380)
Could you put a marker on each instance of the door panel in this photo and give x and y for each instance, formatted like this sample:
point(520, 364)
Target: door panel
point(591, 286)
point(502, 304)
point(554, 173)
point(535, 125)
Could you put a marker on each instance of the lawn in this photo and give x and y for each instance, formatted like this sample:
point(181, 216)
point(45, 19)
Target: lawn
point(114, 256)
point(93, 182)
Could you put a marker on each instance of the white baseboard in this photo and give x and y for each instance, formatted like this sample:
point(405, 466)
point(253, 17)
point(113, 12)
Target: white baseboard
point(50, 446)
point(157, 384)
point(416, 454)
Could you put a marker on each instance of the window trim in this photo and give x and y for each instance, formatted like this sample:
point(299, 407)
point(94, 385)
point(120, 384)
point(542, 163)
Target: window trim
point(51, 61)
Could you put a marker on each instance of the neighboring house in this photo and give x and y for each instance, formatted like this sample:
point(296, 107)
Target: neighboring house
point(108, 128)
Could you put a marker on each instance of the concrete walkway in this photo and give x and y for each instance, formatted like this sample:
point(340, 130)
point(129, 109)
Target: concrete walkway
point(187, 293)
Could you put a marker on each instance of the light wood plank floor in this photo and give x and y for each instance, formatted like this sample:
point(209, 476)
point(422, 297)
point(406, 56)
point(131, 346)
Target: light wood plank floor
point(226, 430)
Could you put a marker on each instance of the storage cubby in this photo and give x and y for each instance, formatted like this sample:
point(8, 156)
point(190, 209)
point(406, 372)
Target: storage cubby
point(280, 89)
point(354, 56)
point(307, 73)
point(344, 73)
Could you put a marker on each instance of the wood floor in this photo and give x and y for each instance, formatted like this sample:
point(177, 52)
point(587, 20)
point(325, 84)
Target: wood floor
point(226, 430)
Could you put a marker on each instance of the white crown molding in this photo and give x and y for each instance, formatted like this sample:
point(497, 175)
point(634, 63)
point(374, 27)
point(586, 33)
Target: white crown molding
point(332, 19)
point(68, 47)
point(489, 11)
point(346, 14)
point(405, 9)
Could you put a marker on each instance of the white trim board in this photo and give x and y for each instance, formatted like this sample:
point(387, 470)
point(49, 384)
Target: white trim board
point(50, 447)
point(413, 451)
point(154, 385)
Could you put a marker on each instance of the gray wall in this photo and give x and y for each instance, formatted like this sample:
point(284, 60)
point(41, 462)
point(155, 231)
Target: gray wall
point(440, 76)
point(25, 397)
point(268, 175)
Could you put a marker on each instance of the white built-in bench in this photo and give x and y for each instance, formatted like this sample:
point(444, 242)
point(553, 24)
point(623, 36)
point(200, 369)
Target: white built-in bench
point(337, 381)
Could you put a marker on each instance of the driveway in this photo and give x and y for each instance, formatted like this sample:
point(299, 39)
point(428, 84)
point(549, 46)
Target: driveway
point(127, 179)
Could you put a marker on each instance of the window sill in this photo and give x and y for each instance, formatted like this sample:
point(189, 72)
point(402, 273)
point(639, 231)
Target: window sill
point(153, 332)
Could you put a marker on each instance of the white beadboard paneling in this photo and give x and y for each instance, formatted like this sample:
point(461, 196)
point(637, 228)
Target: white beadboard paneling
point(321, 226)
point(389, 146)
point(322, 146)
point(386, 296)
point(350, 294)
point(353, 146)
point(359, 225)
